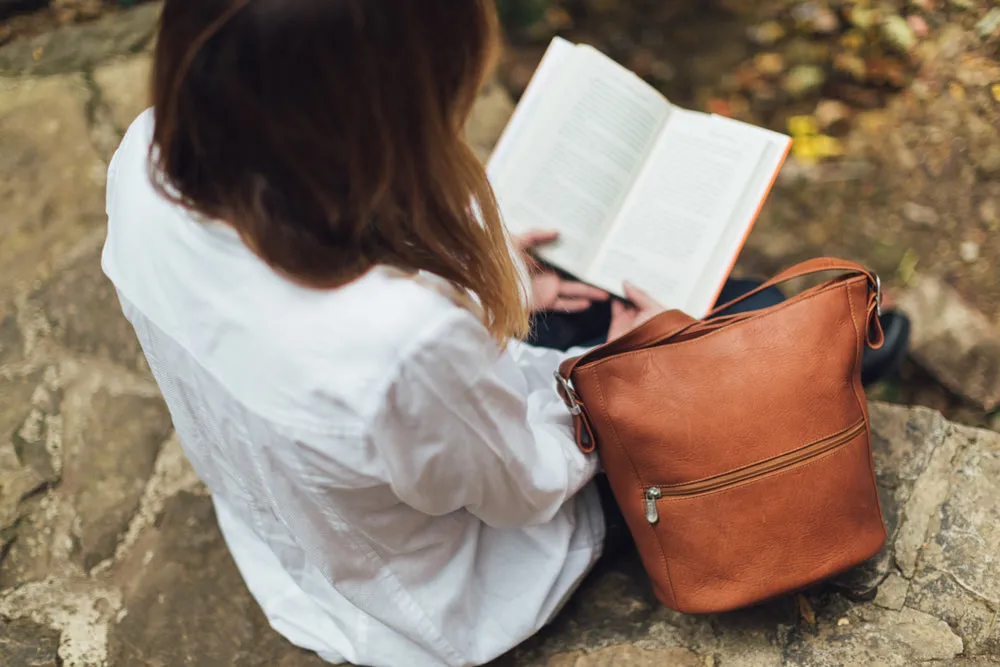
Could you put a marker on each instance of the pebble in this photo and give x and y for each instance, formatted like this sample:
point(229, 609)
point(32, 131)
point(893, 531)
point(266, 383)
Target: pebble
point(987, 25)
point(804, 79)
point(852, 64)
point(832, 116)
point(862, 17)
point(969, 252)
point(816, 17)
point(918, 24)
point(769, 64)
point(767, 34)
point(920, 215)
point(897, 31)
point(841, 622)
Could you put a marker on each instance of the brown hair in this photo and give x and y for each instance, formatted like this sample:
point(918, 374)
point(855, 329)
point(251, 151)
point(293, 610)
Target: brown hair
point(330, 135)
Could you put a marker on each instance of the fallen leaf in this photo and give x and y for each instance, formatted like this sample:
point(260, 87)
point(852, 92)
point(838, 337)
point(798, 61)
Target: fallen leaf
point(806, 610)
point(802, 126)
point(907, 266)
point(995, 89)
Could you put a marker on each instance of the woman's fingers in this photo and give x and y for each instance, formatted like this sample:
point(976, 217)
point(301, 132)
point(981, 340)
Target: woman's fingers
point(574, 290)
point(572, 305)
point(535, 238)
point(641, 299)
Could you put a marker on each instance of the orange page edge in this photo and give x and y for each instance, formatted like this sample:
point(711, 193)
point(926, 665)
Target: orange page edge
point(753, 222)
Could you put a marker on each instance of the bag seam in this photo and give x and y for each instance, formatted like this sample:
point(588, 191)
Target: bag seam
point(859, 349)
point(773, 310)
point(638, 480)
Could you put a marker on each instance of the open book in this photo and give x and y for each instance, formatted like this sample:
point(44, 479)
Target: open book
point(638, 189)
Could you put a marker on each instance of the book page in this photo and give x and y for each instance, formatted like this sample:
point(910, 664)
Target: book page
point(572, 162)
point(720, 263)
point(675, 215)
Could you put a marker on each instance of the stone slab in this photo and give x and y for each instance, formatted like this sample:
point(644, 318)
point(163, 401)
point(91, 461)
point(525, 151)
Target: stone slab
point(114, 448)
point(123, 86)
point(51, 193)
point(958, 575)
point(83, 315)
point(27, 644)
point(74, 48)
point(187, 604)
point(876, 639)
point(954, 341)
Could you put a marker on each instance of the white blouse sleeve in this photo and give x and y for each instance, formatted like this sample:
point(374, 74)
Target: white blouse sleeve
point(465, 425)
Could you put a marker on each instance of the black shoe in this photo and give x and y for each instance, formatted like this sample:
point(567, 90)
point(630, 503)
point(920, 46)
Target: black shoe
point(877, 365)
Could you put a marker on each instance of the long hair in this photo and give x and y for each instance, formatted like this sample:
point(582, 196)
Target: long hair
point(329, 134)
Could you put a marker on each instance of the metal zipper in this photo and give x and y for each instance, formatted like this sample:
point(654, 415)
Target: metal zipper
point(788, 460)
point(652, 495)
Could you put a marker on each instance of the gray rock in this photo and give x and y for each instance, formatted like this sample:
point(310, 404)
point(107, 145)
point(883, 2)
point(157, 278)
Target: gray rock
point(19, 480)
point(74, 48)
point(187, 604)
point(876, 638)
point(84, 316)
point(51, 192)
point(903, 442)
point(956, 577)
point(892, 592)
point(27, 644)
point(956, 343)
point(626, 654)
point(114, 452)
point(124, 88)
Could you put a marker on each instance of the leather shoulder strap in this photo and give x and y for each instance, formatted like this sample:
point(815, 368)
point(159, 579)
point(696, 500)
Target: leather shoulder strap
point(819, 265)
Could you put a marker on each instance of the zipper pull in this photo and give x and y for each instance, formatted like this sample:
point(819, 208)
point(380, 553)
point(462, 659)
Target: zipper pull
point(652, 514)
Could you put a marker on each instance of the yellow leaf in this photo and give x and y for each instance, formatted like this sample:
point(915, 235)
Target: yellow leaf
point(827, 146)
point(907, 266)
point(995, 89)
point(804, 150)
point(802, 126)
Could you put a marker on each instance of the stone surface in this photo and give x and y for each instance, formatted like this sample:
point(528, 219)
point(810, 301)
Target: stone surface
point(81, 47)
point(877, 639)
point(27, 644)
point(83, 315)
point(80, 611)
point(118, 441)
point(124, 88)
point(957, 577)
point(180, 581)
point(50, 193)
point(954, 341)
point(629, 655)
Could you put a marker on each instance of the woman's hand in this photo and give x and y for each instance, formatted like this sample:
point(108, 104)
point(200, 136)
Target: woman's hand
point(548, 290)
point(627, 316)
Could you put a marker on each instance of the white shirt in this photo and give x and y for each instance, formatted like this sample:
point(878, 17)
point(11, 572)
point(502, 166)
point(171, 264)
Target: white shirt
point(395, 490)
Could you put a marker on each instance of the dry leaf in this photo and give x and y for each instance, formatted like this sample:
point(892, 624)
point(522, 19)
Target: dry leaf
point(806, 610)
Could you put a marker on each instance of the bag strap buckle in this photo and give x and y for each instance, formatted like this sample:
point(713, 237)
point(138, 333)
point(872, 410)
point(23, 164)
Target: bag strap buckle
point(568, 394)
point(878, 295)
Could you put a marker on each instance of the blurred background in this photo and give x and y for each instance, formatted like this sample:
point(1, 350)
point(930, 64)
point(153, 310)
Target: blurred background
point(894, 106)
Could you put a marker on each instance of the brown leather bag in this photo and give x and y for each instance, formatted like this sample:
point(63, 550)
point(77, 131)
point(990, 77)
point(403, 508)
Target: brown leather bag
point(738, 446)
